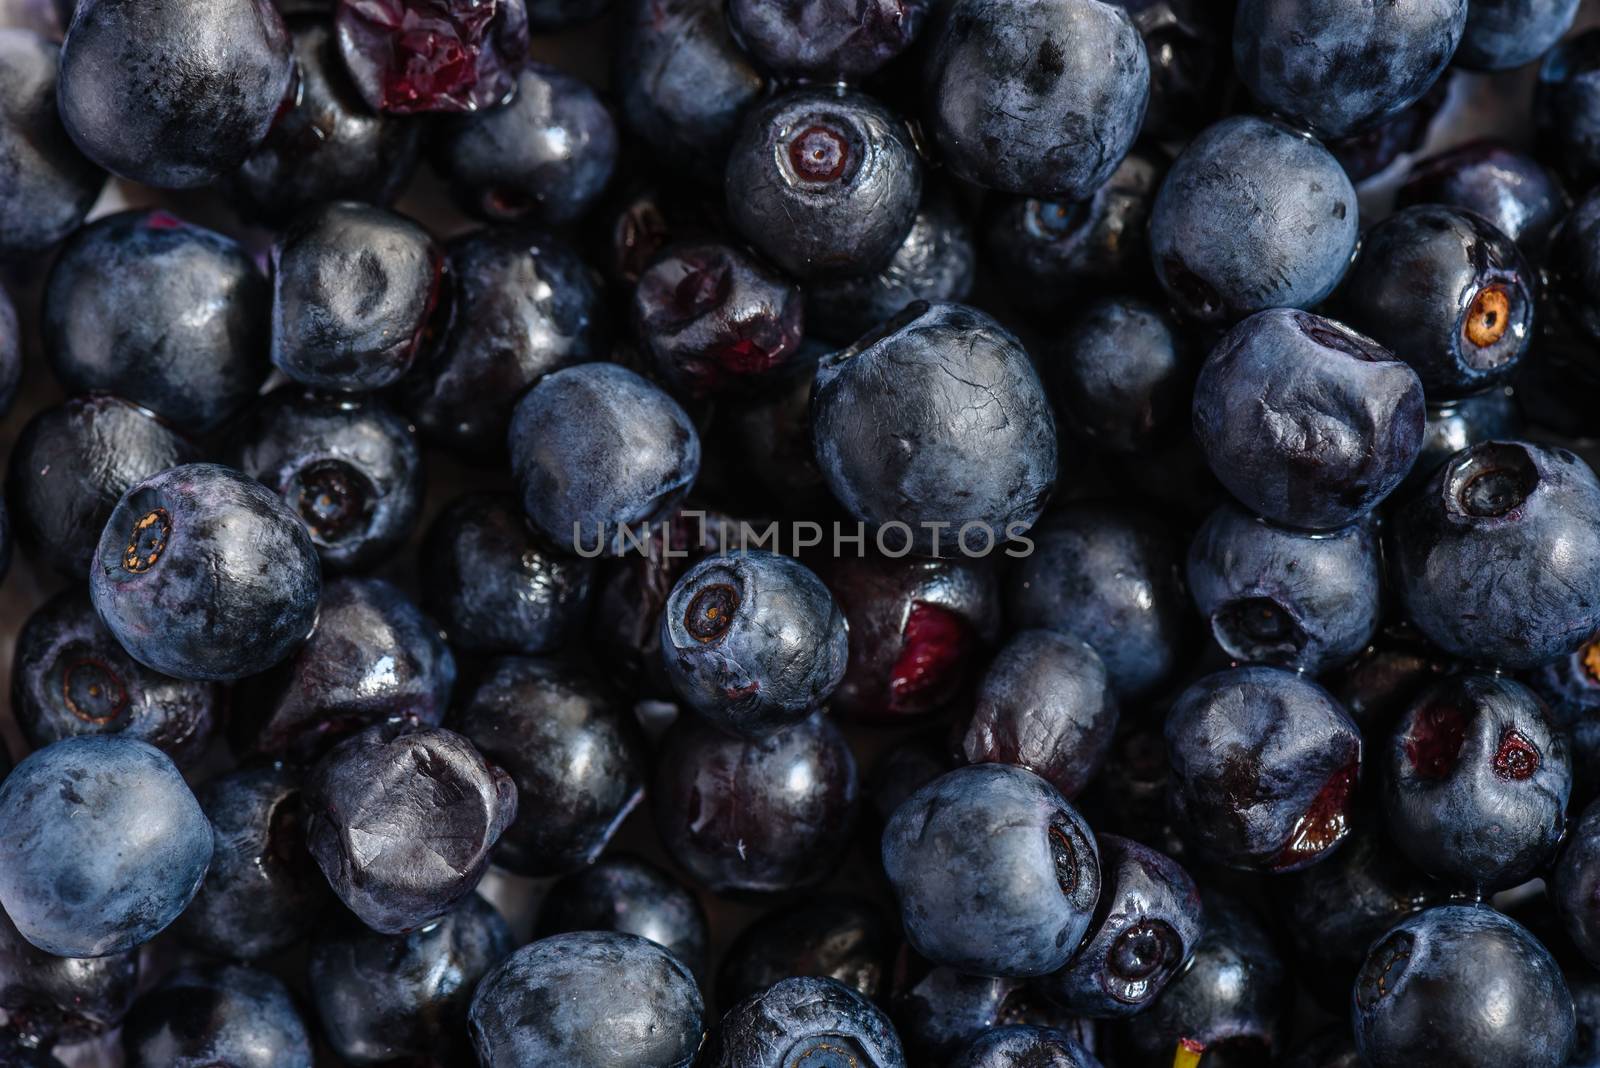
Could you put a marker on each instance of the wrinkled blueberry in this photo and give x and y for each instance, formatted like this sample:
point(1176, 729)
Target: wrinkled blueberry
point(410, 56)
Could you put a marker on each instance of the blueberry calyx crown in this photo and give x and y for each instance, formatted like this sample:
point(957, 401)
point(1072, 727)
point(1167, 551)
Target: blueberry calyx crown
point(710, 613)
point(147, 541)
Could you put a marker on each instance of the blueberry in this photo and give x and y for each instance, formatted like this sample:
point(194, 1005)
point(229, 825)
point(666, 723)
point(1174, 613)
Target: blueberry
point(847, 939)
point(350, 468)
point(1305, 421)
point(1574, 269)
point(1476, 785)
point(935, 429)
point(402, 821)
point(11, 343)
point(1502, 34)
point(1044, 704)
point(73, 462)
point(823, 182)
point(826, 40)
point(1369, 153)
point(384, 998)
point(561, 1000)
point(1454, 425)
point(1446, 292)
point(1186, 42)
point(1570, 685)
point(573, 749)
point(1566, 108)
point(1278, 596)
point(1586, 1002)
point(1042, 99)
point(1121, 376)
point(220, 1014)
point(631, 896)
point(173, 93)
point(1575, 879)
point(48, 186)
point(597, 451)
point(353, 289)
point(1461, 985)
point(1339, 66)
point(544, 157)
point(1252, 216)
point(755, 816)
point(1129, 796)
point(940, 1011)
point(418, 56)
point(70, 677)
point(1016, 1044)
point(1523, 513)
point(1265, 765)
point(995, 873)
point(101, 845)
point(522, 304)
point(904, 768)
point(1511, 189)
point(203, 573)
point(166, 314)
point(805, 1020)
point(50, 999)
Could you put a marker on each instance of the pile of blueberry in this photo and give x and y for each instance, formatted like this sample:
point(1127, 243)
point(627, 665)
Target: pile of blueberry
point(962, 534)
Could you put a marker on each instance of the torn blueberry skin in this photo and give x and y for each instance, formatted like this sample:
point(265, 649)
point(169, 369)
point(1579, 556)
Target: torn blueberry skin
point(755, 816)
point(49, 999)
point(543, 158)
point(263, 892)
point(1272, 595)
point(1566, 109)
point(203, 573)
point(216, 1014)
point(1265, 768)
point(630, 895)
point(995, 873)
point(111, 821)
point(1122, 376)
point(384, 998)
point(1454, 425)
point(825, 40)
point(936, 417)
point(556, 1002)
point(1462, 984)
point(1041, 100)
point(823, 182)
point(163, 313)
point(804, 1020)
point(753, 642)
point(1045, 704)
point(1000, 1047)
point(1333, 422)
point(1504, 34)
point(572, 747)
point(1445, 291)
point(70, 677)
point(409, 57)
point(48, 186)
point(1252, 215)
point(1476, 783)
point(1522, 512)
point(847, 939)
point(1517, 194)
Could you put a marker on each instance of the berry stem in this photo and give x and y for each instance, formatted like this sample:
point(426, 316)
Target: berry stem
point(1188, 1054)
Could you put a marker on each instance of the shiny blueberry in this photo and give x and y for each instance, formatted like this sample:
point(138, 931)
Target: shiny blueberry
point(217, 1014)
point(50, 999)
point(631, 896)
point(1122, 376)
point(805, 1020)
point(1514, 191)
point(847, 939)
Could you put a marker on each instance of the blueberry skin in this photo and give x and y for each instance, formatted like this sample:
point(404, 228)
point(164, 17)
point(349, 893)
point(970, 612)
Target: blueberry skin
point(1044, 704)
point(546, 15)
point(1446, 292)
point(1566, 108)
point(937, 417)
point(631, 896)
point(847, 939)
point(1252, 216)
point(941, 1011)
point(573, 749)
point(1373, 150)
point(1574, 268)
point(1305, 421)
point(166, 314)
point(383, 998)
point(1121, 376)
point(1041, 99)
point(1476, 783)
point(1574, 883)
point(353, 287)
point(435, 803)
point(1514, 191)
point(262, 893)
point(995, 873)
point(10, 353)
point(48, 186)
point(1586, 1001)
point(522, 304)
point(203, 573)
point(825, 40)
point(50, 999)
point(1523, 513)
point(1457, 424)
point(596, 998)
point(1187, 43)
point(1277, 596)
point(1113, 576)
point(219, 1014)
point(823, 182)
point(595, 449)
point(1502, 34)
point(1570, 685)
point(328, 145)
point(1265, 765)
point(72, 463)
point(101, 845)
point(430, 57)
point(1461, 985)
point(805, 1020)
point(1339, 66)
point(753, 642)
point(752, 817)
point(173, 93)
point(349, 467)
point(70, 677)
point(1046, 1047)
point(545, 157)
